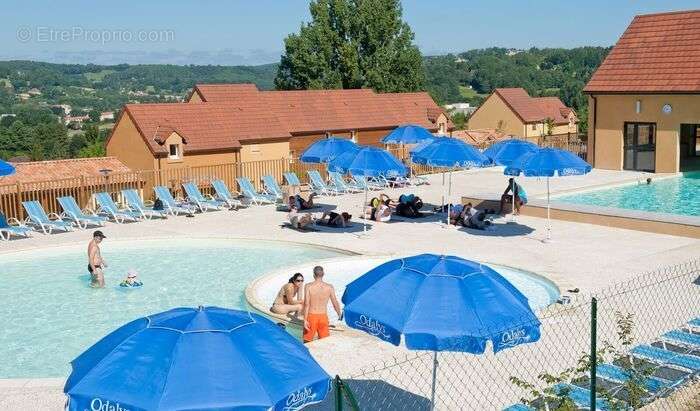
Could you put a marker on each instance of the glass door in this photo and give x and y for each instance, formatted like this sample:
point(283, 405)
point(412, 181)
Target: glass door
point(640, 146)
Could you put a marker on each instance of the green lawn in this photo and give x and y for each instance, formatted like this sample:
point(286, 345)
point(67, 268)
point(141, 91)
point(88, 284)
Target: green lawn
point(469, 93)
point(99, 76)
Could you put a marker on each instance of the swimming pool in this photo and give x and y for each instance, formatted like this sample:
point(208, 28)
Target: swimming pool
point(50, 315)
point(676, 195)
point(340, 272)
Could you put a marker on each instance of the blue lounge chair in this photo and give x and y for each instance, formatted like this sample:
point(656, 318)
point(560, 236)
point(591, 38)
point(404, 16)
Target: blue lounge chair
point(319, 186)
point(224, 194)
point(107, 206)
point(249, 192)
point(292, 179)
point(170, 205)
point(135, 203)
point(581, 396)
point(196, 197)
point(362, 183)
point(665, 357)
point(519, 407)
point(694, 323)
point(683, 338)
point(271, 187)
point(72, 212)
point(12, 227)
point(39, 219)
point(340, 185)
point(617, 374)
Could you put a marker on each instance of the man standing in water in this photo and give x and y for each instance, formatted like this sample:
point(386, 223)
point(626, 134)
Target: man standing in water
point(95, 261)
point(316, 296)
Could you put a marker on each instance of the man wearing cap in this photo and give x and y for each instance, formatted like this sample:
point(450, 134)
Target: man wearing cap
point(95, 261)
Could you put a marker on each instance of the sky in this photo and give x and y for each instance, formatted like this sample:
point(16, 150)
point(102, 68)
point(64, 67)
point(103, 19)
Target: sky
point(232, 32)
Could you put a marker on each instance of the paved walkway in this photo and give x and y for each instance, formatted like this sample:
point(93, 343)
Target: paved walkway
point(581, 255)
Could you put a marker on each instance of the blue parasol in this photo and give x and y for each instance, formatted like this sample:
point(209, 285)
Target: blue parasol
point(548, 162)
point(322, 151)
point(186, 359)
point(409, 134)
point(440, 303)
point(6, 169)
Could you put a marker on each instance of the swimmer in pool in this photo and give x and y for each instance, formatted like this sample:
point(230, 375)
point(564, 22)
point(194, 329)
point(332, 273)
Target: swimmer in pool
point(131, 280)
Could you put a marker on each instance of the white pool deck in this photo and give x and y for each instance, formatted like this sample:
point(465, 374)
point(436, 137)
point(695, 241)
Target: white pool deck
point(585, 256)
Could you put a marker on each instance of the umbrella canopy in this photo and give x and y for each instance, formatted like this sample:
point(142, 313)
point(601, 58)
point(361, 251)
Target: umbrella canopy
point(450, 152)
point(440, 303)
point(327, 149)
point(409, 134)
point(368, 162)
point(548, 162)
point(505, 152)
point(206, 358)
point(6, 168)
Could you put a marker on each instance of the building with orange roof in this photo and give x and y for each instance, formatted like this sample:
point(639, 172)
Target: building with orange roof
point(226, 123)
point(58, 170)
point(513, 112)
point(644, 99)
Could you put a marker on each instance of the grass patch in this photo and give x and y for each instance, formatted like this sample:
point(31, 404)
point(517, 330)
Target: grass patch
point(469, 93)
point(99, 76)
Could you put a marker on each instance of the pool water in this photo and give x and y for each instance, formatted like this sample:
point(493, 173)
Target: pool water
point(676, 195)
point(50, 314)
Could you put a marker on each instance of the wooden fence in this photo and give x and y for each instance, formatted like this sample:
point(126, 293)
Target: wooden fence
point(83, 188)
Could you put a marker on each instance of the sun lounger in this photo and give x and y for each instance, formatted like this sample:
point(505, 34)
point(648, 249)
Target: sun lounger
point(249, 192)
point(72, 212)
point(39, 219)
point(362, 183)
point(292, 179)
point(224, 194)
point(617, 374)
point(340, 185)
point(271, 187)
point(170, 205)
point(683, 338)
point(196, 197)
point(319, 186)
point(666, 357)
point(12, 227)
point(519, 407)
point(135, 203)
point(581, 396)
point(694, 323)
point(108, 207)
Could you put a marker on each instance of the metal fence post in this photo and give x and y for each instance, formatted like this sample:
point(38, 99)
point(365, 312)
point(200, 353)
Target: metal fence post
point(338, 393)
point(594, 349)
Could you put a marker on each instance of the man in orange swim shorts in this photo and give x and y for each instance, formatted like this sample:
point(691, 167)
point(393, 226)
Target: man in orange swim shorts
point(316, 296)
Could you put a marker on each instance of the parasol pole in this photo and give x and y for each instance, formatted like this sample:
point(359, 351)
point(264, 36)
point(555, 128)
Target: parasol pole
point(513, 198)
point(549, 220)
point(432, 391)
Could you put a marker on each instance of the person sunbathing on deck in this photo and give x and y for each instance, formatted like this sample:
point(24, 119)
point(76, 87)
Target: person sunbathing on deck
point(289, 298)
point(380, 213)
point(298, 220)
point(333, 219)
point(298, 202)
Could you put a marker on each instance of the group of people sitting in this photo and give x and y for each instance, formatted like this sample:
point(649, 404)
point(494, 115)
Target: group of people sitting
point(378, 209)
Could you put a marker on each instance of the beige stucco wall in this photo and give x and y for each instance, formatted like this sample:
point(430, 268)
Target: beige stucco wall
point(194, 98)
point(199, 160)
point(259, 151)
point(614, 110)
point(493, 110)
point(127, 145)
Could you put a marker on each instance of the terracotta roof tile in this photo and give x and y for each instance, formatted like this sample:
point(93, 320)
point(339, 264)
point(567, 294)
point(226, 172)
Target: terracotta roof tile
point(204, 126)
point(305, 111)
point(657, 53)
point(62, 169)
point(534, 109)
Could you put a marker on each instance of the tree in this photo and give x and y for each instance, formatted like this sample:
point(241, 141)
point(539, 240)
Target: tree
point(352, 44)
point(94, 116)
point(549, 126)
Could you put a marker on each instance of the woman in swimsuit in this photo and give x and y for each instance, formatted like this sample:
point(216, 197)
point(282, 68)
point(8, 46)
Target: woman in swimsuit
point(289, 298)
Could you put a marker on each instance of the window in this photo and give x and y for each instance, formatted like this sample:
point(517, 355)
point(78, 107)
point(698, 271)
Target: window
point(255, 148)
point(534, 127)
point(174, 151)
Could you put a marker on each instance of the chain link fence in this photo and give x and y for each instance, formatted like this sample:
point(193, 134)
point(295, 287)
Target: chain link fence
point(644, 334)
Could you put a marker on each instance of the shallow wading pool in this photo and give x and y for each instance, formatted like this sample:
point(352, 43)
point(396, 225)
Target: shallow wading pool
point(50, 314)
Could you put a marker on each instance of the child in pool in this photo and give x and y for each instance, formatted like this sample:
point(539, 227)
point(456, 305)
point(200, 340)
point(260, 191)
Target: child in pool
point(131, 280)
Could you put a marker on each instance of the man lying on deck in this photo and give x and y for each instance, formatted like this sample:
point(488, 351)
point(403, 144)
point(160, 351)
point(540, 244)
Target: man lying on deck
point(298, 220)
point(332, 219)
